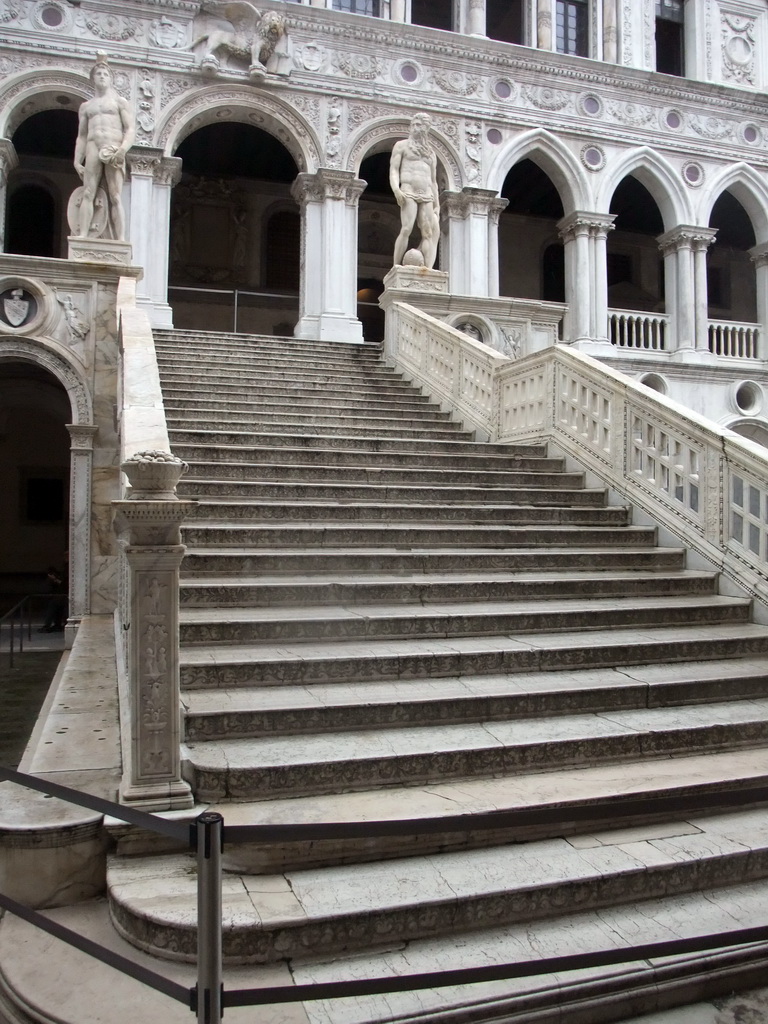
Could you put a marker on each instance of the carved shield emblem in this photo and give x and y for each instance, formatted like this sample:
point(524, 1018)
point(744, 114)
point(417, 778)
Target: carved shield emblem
point(16, 308)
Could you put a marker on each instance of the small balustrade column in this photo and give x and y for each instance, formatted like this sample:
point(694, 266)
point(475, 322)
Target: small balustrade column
point(473, 246)
point(328, 297)
point(544, 34)
point(397, 10)
point(148, 523)
point(610, 32)
point(759, 255)
point(8, 161)
point(584, 236)
point(685, 268)
point(80, 477)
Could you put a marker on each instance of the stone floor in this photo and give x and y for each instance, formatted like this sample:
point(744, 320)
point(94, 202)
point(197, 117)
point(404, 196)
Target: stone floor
point(23, 689)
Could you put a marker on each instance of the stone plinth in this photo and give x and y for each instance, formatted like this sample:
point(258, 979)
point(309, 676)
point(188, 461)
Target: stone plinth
point(100, 250)
point(416, 279)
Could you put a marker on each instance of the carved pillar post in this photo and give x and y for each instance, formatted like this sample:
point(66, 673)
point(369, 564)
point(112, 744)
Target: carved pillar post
point(610, 32)
point(8, 160)
point(476, 18)
point(684, 249)
point(601, 225)
point(544, 36)
point(759, 254)
point(81, 464)
point(148, 522)
point(473, 260)
point(575, 230)
point(328, 297)
point(397, 10)
point(152, 176)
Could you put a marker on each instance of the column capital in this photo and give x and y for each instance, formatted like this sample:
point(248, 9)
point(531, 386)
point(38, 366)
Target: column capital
point(473, 200)
point(759, 254)
point(168, 170)
point(585, 222)
point(686, 236)
point(327, 183)
point(82, 436)
point(142, 160)
point(8, 159)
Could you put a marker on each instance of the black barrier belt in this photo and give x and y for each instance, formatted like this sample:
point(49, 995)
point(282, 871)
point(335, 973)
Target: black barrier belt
point(496, 972)
point(608, 810)
point(120, 963)
point(175, 829)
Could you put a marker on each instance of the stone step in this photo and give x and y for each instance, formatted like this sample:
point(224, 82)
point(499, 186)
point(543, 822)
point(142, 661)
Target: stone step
point(234, 625)
point(354, 453)
point(259, 433)
point(459, 534)
point(475, 498)
point(202, 563)
point(222, 513)
point(270, 591)
point(286, 473)
point(297, 664)
point(186, 343)
point(429, 420)
point(255, 712)
point(351, 377)
point(268, 364)
point(286, 391)
point(213, 405)
point(356, 907)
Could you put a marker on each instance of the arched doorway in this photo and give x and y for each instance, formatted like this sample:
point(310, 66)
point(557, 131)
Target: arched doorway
point(35, 468)
point(731, 284)
point(40, 186)
point(235, 246)
point(531, 262)
point(378, 227)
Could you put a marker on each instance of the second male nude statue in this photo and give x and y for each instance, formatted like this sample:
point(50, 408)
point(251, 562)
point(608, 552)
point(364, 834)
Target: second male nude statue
point(413, 179)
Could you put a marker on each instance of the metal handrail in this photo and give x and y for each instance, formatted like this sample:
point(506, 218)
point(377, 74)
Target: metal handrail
point(20, 611)
point(235, 292)
point(207, 834)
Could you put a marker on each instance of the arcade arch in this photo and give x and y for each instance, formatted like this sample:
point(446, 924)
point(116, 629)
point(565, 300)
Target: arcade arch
point(531, 258)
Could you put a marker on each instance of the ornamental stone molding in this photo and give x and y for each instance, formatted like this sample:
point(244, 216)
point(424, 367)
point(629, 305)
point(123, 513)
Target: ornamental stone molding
point(34, 92)
point(328, 183)
point(686, 236)
point(477, 201)
point(398, 128)
point(36, 352)
point(737, 51)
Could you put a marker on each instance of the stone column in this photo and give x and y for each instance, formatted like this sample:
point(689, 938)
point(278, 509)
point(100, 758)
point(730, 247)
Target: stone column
point(586, 284)
point(759, 254)
point(8, 161)
point(473, 251)
point(684, 249)
point(544, 34)
point(152, 176)
point(81, 464)
point(397, 10)
point(328, 296)
point(610, 32)
point(475, 17)
point(148, 523)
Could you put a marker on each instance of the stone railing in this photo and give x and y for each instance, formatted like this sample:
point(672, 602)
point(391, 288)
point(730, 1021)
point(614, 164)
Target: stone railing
point(147, 521)
point(635, 330)
point(707, 485)
point(739, 341)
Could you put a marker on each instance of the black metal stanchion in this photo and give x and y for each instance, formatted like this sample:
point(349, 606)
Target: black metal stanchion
point(210, 831)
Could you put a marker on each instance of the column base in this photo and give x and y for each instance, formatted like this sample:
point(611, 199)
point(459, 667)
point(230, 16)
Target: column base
point(160, 313)
point(157, 796)
point(597, 348)
point(99, 250)
point(329, 327)
point(694, 356)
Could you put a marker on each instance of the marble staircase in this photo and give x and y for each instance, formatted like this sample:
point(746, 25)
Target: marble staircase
point(384, 618)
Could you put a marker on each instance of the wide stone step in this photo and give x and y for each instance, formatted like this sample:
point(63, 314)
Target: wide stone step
point(300, 374)
point(187, 343)
point(177, 400)
point(226, 591)
point(286, 473)
point(222, 513)
point(277, 366)
point(355, 907)
point(258, 433)
point(251, 390)
point(473, 497)
point(201, 563)
point(252, 712)
point(299, 664)
point(459, 534)
point(269, 625)
point(429, 420)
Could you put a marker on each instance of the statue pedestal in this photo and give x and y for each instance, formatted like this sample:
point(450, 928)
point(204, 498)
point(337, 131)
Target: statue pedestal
point(100, 250)
point(416, 279)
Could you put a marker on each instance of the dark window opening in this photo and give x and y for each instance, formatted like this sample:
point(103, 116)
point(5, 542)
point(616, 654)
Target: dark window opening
point(716, 287)
point(619, 268)
point(572, 27)
point(369, 7)
point(670, 52)
point(553, 274)
point(43, 499)
point(283, 247)
point(432, 14)
point(31, 222)
point(504, 21)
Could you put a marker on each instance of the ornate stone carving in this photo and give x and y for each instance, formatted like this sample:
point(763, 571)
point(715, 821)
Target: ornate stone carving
point(153, 475)
point(358, 65)
point(457, 83)
point(255, 36)
point(631, 113)
point(713, 128)
point(333, 138)
point(9, 9)
point(78, 324)
point(312, 57)
point(165, 33)
point(110, 26)
point(473, 152)
point(737, 51)
point(34, 352)
point(544, 98)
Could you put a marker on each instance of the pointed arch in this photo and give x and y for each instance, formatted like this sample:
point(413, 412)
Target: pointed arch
point(658, 176)
point(211, 104)
point(749, 188)
point(554, 158)
point(375, 137)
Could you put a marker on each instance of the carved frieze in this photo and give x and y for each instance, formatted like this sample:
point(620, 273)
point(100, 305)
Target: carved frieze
point(737, 53)
point(9, 10)
point(361, 66)
point(110, 27)
point(165, 33)
point(713, 128)
point(546, 99)
point(634, 114)
point(455, 83)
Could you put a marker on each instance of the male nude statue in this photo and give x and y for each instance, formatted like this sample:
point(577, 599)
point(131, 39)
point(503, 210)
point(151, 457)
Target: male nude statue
point(105, 134)
point(413, 179)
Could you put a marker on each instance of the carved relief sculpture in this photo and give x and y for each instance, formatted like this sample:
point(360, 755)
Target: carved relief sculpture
point(413, 179)
point(106, 132)
point(254, 37)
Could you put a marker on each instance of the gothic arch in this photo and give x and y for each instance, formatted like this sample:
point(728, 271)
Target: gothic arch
point(210, 104)
point(373, 138)
point(553, 157)
point(658, 176)
point(746, 185)
point(33, 91)
point(27, 351)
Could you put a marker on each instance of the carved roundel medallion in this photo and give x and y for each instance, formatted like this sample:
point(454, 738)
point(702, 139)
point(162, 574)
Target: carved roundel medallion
point(593, 158)
point(52, 16)
point(591, 105)
point(693, 174)
point(503, 89)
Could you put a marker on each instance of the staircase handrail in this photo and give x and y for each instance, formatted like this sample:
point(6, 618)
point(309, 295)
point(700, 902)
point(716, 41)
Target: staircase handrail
point(18, 612)
point(704, 483)
point(206, 834)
